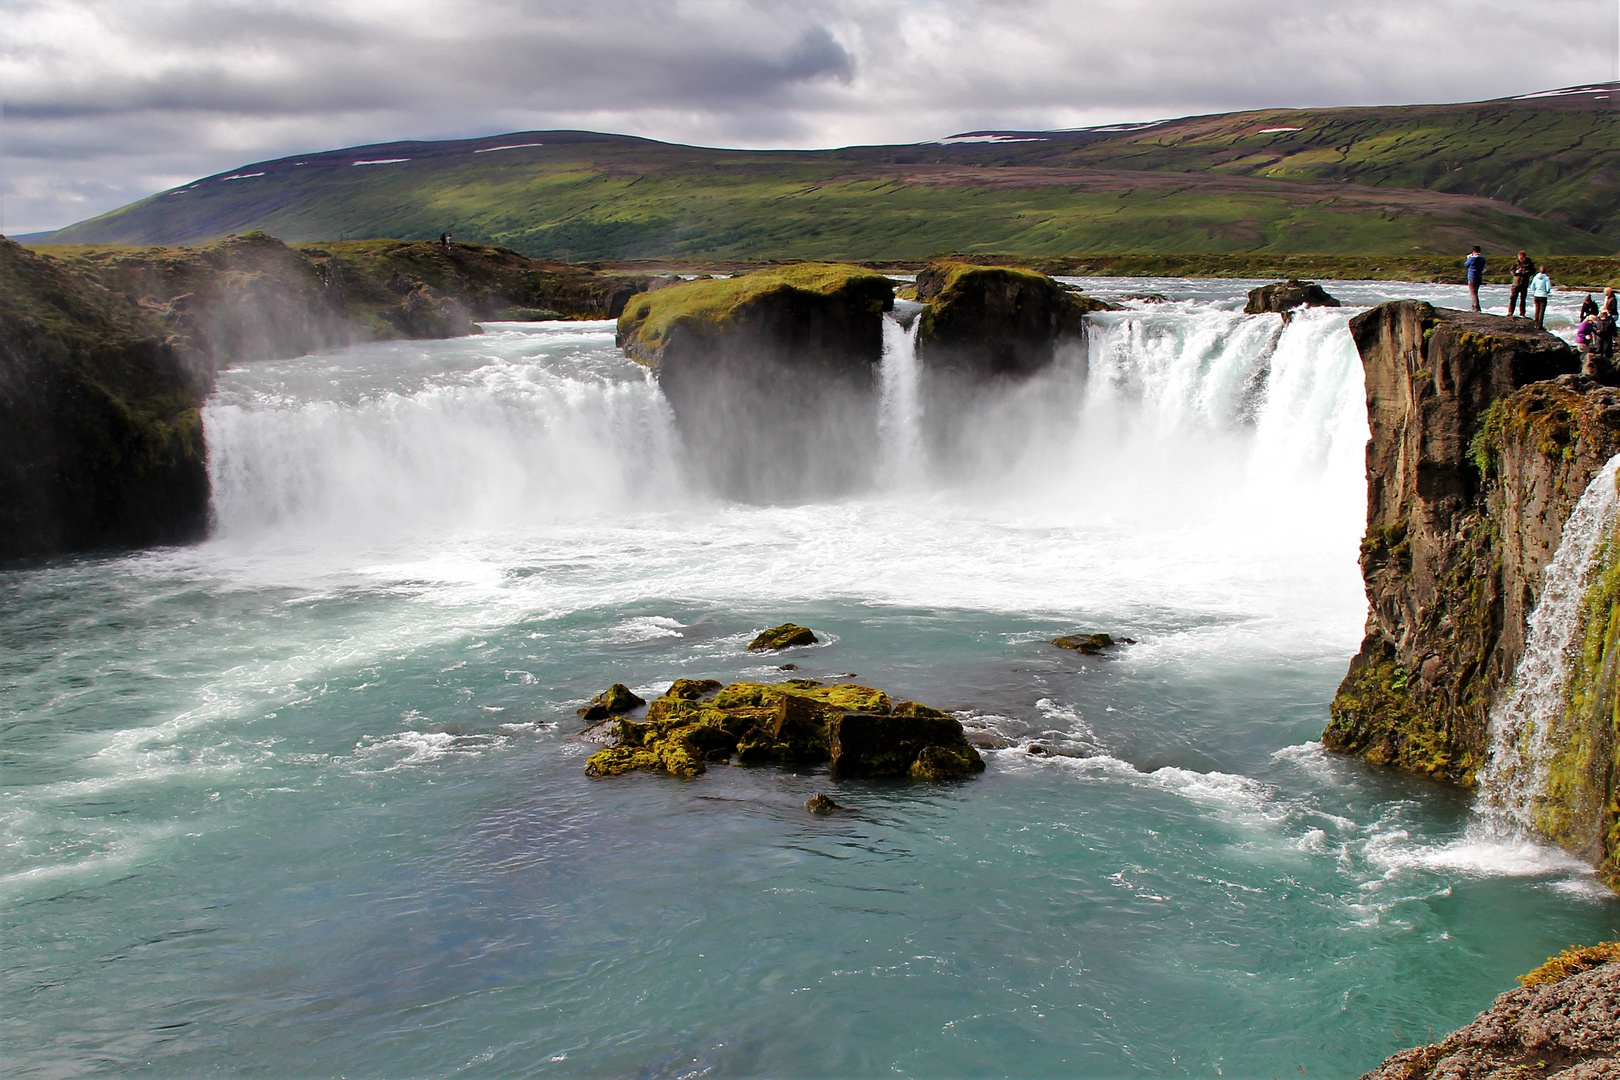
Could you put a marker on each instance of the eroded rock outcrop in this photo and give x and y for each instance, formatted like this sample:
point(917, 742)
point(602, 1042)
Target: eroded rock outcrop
point(1285, 296)
point(1468, 487)
point(771, 375)
point(1563, 1024)
point(101, 440)
point(985, 322)
point(855, 729)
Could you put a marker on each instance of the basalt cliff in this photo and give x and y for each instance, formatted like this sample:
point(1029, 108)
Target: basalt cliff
point(1483, 439)
point(107, 354)
point(772, 375)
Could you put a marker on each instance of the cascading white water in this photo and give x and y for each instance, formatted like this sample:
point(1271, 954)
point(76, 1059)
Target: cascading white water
point(1522, 721)
point(1188, 451)
point(500, 433)
point(900, 406)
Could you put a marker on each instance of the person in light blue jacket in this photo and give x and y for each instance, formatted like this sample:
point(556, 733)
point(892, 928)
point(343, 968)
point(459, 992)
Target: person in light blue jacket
point(1540, 290)
point(1474, 267)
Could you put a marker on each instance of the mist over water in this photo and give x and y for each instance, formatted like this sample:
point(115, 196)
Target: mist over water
point(309, 798)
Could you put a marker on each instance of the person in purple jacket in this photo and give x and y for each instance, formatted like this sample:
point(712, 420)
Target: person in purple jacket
point(1474, 266)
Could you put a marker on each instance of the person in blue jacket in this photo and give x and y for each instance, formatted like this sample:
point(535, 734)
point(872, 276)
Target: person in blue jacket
point(1540, 290)
point(1474, 266)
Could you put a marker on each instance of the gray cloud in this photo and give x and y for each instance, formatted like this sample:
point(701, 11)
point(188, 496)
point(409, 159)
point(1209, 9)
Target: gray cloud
point(109, 100)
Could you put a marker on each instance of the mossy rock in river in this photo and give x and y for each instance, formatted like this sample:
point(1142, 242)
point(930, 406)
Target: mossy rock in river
point(855, 729)
point(1090, 644)
point(616, 699)
point(783, 637)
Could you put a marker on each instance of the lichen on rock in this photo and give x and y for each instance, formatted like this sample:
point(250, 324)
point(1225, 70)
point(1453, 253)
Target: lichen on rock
point(783, 637)
point(1564, 1021)
point(855, 729)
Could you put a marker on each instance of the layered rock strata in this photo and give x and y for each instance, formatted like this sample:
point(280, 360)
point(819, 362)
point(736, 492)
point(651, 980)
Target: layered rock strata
point(1471, 472)
point(771, 375)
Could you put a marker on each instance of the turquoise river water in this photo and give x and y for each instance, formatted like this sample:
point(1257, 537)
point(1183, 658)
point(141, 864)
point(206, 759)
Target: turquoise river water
point(307, 799)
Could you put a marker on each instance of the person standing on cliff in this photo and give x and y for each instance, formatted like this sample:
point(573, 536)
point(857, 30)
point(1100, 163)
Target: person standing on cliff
point(1523, 271)
point(1586, 342)
point(1611, 303)
point(1474, 266)
point(1540, 292)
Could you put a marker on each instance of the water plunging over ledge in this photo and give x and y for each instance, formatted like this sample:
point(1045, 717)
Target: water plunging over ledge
point(1515, 776)
point(314, 792)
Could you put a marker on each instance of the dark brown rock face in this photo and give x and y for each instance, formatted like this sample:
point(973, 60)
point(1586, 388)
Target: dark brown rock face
point(991, 321)
point(101, 441)
point(1285, 296)
point(1466, 501)
point(1569, 1030)
point(772, 376)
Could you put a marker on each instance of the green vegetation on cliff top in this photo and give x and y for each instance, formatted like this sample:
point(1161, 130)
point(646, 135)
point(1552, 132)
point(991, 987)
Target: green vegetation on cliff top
point(712, 302)
point(1539, 174)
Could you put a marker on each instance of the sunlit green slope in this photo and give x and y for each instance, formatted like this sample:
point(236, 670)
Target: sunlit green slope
point(1541, 173)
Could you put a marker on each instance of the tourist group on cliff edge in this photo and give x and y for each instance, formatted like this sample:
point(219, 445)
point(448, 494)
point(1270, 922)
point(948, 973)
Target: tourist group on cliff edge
point(1595, 333)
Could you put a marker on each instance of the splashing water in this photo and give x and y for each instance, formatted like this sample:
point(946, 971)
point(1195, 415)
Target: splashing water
point(313, 791)
point(900, 406)
point(1521, 722)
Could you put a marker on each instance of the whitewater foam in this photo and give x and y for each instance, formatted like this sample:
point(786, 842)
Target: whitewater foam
point(1522, 721)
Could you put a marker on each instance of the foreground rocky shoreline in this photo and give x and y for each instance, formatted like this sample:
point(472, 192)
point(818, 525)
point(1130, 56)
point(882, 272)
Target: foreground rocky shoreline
point(1563, 1023)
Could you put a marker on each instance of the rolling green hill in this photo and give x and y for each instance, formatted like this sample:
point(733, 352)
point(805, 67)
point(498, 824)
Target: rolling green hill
point(1541, 173)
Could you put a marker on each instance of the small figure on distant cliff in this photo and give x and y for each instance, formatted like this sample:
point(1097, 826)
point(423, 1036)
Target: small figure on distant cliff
point(1474, 266)
point(444, 241)
point(1523, 271)
point(1540, 291)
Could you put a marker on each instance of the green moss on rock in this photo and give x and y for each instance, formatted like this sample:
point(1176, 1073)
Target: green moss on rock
point(1374, 715)
point(856, 729)
point(783, 637)
point(616, 699)
point(1579, 807)
point(706, 308)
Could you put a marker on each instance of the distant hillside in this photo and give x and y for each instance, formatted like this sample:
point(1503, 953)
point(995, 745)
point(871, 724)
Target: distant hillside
point(1540, 172)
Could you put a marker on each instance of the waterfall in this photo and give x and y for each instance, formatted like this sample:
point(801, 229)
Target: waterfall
point(900, 406)
point(1175, 414)
point(1521, 722)
point(400, 438)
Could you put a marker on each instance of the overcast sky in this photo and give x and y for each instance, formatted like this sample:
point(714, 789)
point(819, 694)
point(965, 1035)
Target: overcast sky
point(107, 101)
